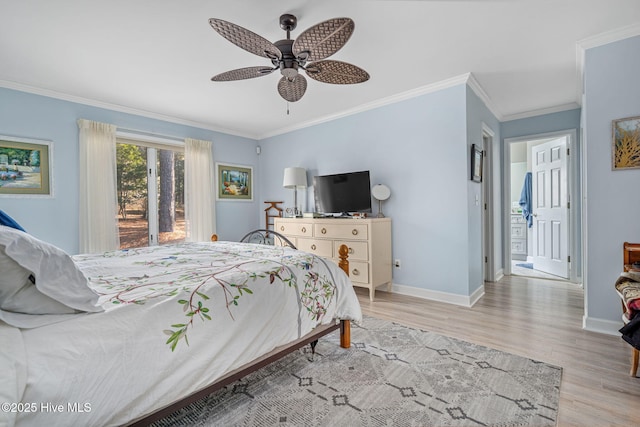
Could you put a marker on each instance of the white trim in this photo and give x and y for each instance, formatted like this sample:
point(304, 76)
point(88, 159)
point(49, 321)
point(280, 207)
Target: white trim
point(480, 92)
point(488, 218)
point(541, 112)
point(153, 139)
point(601, 326)
point(423, 90)
point(449, 298)
point(499, 275)
point(610, 36)
point(114, 107)
point(476, 295)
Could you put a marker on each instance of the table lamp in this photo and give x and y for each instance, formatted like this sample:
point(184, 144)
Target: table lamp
point(295, 178)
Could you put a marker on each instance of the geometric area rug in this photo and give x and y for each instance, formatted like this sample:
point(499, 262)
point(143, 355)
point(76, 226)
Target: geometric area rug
point(393, 375)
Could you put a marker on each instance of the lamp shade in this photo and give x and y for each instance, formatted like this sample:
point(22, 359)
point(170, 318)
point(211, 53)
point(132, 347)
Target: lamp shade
point(294, 178)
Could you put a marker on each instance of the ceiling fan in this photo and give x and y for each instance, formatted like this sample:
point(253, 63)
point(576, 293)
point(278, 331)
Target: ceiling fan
point(307, 52)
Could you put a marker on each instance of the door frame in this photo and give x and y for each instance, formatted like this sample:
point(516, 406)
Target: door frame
point(487, 197)
point(574, 219)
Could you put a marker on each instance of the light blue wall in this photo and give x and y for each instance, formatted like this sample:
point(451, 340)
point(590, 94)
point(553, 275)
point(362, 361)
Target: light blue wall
point(479, 116)
point(56, 219)
point(612, 91)
point(419, 149)
point(554, 122)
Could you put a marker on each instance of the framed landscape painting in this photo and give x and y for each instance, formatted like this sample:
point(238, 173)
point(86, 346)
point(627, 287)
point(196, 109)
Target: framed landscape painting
point(234, 182)
point(25, 167)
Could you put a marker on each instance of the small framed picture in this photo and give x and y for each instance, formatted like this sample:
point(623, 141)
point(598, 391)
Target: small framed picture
point(626, 143)
point(476, 163)
point(25, 167)
point(234, 182)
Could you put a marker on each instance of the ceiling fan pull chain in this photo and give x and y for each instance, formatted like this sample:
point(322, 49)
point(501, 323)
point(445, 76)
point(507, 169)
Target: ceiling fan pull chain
point(287, 108)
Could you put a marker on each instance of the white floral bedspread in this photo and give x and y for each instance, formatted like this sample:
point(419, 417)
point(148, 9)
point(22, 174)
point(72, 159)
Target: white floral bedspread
point(176, 318)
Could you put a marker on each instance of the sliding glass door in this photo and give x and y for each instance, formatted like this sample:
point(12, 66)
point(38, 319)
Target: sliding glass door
point(150, 190)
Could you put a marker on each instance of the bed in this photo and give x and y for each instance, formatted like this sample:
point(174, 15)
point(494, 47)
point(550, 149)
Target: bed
point(155, 328)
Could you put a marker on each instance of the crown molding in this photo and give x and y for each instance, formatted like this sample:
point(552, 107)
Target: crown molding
point(541, 112)
point(403, 96)
point(480, 92)
point(595, 41)
point(115, 107)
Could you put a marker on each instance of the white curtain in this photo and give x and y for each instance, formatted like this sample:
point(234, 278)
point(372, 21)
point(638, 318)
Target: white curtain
point(199, 190)
point(98, 197)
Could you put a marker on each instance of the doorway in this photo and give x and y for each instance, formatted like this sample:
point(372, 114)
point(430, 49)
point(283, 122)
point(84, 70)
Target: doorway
point(540, 223)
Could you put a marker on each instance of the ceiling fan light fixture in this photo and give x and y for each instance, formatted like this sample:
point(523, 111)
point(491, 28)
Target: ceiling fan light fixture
point(290, 73)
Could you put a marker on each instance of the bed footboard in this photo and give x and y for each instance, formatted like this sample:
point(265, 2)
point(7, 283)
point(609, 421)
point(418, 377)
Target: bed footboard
point(345, 325)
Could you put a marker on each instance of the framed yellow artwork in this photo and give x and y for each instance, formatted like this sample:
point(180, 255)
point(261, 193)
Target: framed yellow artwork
point(626, 143)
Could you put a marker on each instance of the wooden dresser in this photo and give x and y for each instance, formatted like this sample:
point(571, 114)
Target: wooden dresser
point(368, 239)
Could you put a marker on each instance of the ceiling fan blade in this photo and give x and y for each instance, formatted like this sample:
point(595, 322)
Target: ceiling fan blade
point(242, 74)
point(336, 72)
point(245, 39)
point(324, 39)
point(292, 90)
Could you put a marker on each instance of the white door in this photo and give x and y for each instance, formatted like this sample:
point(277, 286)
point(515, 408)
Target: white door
point(550, 230)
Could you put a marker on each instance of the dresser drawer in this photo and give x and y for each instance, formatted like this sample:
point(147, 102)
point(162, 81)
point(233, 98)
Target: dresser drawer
point(295, 229)
point(323, 248)
point(359, 271)
point(517, 219)
point(341, 231)
point(518, 247)
point(358, 251)
point(518, 231)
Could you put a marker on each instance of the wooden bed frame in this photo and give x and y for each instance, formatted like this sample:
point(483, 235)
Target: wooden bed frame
point(311, 338)
point(631, 254)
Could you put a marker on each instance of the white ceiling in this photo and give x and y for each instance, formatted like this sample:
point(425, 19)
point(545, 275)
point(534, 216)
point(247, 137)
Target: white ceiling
point(156, 57)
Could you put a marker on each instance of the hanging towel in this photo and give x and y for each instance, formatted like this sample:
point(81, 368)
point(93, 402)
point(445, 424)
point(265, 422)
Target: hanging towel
point(525, 199)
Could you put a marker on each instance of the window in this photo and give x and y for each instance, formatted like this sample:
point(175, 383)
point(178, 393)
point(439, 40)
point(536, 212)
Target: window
point(150, 191)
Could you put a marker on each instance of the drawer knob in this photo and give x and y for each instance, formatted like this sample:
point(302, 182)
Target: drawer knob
point(304, 229)
point(350, 250)
point(355, 272)
point(282, 228)
point(313, 247)
point(323, 231)
point(354, 232)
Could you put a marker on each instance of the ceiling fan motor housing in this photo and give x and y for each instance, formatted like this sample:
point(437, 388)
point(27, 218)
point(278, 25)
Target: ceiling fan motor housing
point(289, 64)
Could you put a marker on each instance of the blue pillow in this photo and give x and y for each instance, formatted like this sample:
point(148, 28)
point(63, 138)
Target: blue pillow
point(9, 222)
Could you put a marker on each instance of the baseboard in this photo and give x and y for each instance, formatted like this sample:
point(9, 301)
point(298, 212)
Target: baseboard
point(601, 326)
point(456, 299)
point(476, 295)
point(499, 275)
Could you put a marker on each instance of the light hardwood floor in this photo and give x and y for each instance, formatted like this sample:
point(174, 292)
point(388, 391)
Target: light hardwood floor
point(540, 319)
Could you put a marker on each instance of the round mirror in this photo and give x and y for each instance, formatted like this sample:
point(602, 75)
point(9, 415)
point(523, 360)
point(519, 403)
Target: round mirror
point(380, 192)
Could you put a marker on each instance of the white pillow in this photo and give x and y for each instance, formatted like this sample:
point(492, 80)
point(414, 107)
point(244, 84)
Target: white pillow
point(56, 275)
point(19, 295)
point(13, 277)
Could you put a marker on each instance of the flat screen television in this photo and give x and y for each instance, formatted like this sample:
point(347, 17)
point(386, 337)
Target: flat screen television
point(342, 193)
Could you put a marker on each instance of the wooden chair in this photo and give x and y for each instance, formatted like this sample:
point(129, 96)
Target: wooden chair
point(269, 213)
point(630, 255)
